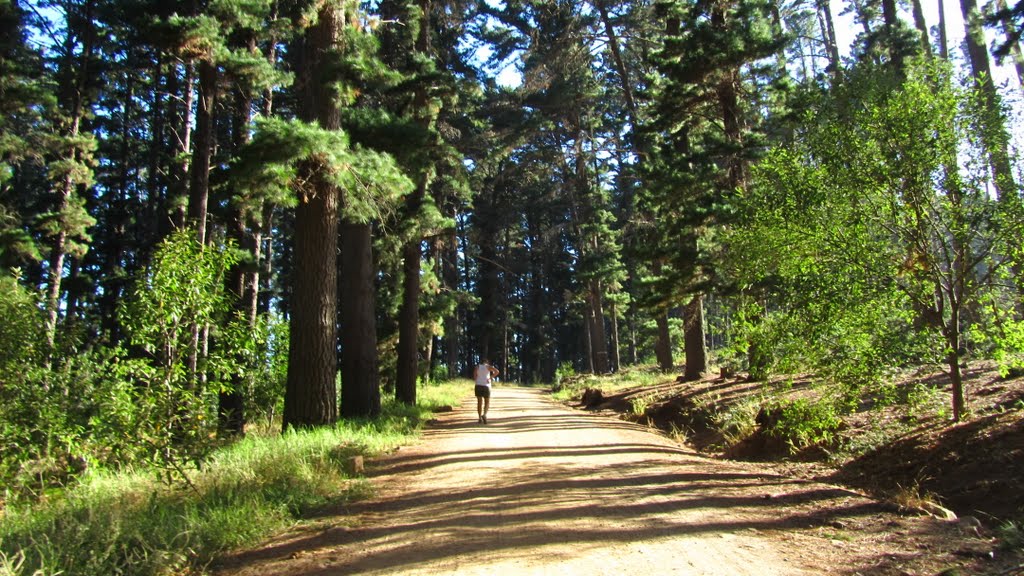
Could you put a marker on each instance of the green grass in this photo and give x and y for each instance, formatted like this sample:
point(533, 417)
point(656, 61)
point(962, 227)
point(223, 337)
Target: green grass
point(130, 523)
point(572, 386)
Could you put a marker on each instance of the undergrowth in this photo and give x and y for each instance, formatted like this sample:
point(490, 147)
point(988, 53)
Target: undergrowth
point(570, 385)
point(129, 522)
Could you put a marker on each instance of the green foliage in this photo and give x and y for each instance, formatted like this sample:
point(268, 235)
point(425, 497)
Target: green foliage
point(863, 236)
point(639, 404)
point(1011, 535)
point(737, 421)
point(129, 523)
point(1001, 334)
point(271, 165)
point(564, 371)
point(21, 324)
point(801, 422)
point(923, 399)
point(176, 298)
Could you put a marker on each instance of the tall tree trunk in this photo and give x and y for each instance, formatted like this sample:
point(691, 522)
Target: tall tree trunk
point(409, 314)
point(450, 277)
point(588, 339)
point(179, 194)
point(615, 360)
point(890, 19)
point(922, 27)
point(994, 133)
point(943, 37)
point(663, 342)
point(73, 104)
point(199, 189)
point(696, 347)
point(599, 341)
point(829, 32)
point(242, 276)
point(310, 394)
point(620, 66)
point(409, 324)
point(360, 381)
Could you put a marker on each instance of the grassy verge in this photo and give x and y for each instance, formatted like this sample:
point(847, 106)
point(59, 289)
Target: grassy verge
point(571, 386)
point(130, 523)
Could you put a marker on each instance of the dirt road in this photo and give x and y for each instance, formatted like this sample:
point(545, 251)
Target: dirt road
point(543, 489)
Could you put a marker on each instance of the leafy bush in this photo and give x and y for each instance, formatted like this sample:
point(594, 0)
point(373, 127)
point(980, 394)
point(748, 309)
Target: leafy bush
point(801, 423)
point(177, 298)
point(1002, 334)
point(564, 371)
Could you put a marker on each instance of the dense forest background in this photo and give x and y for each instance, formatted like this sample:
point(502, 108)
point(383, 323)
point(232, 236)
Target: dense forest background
point(219, 212)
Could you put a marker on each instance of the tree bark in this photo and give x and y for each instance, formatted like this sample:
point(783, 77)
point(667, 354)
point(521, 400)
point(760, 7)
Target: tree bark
point(829, 33)
point(199, 189)
point(663, 342)
point(993, 135)
point(922, 27)
point(412, 254)
point(616, 362)
point(598, 338)
point(360, 382)
point(310, 393)
point(243, 278)
point(409, 325)
point(943, 38)
point(696, 347)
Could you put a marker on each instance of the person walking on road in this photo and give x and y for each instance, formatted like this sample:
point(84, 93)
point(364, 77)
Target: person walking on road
point(482, 376)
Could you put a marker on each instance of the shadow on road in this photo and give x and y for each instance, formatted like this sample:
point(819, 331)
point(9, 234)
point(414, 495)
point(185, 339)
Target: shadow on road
point(578, 495)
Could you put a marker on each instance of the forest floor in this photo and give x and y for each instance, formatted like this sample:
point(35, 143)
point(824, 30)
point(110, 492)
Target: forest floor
point(545, 489)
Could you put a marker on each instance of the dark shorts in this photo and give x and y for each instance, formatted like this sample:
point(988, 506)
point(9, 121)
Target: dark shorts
point(482, 391)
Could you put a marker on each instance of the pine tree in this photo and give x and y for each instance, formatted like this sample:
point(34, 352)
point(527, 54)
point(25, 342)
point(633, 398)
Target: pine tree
point(698, 167)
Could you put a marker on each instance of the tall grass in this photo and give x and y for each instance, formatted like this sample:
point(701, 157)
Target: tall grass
point(571, 386)
point(130, 523)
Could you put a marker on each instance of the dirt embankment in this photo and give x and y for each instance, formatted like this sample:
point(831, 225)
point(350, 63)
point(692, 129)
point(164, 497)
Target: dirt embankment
point(904, 450)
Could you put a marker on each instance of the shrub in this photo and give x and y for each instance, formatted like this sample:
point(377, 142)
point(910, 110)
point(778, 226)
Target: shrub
point(801, 423)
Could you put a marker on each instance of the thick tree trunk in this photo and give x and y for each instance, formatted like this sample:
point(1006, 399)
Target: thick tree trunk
point(310, 393)
point(199, 189)
point(598, 339)
point(663, 342)
point(310, 396)
point(409, 325)
point(696, 347)
point(360, 381)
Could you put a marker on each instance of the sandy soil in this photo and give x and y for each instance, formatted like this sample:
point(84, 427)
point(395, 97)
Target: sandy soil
point(542, 489)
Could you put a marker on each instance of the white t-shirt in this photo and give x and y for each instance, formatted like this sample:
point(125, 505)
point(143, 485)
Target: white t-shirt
point(483, 375)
